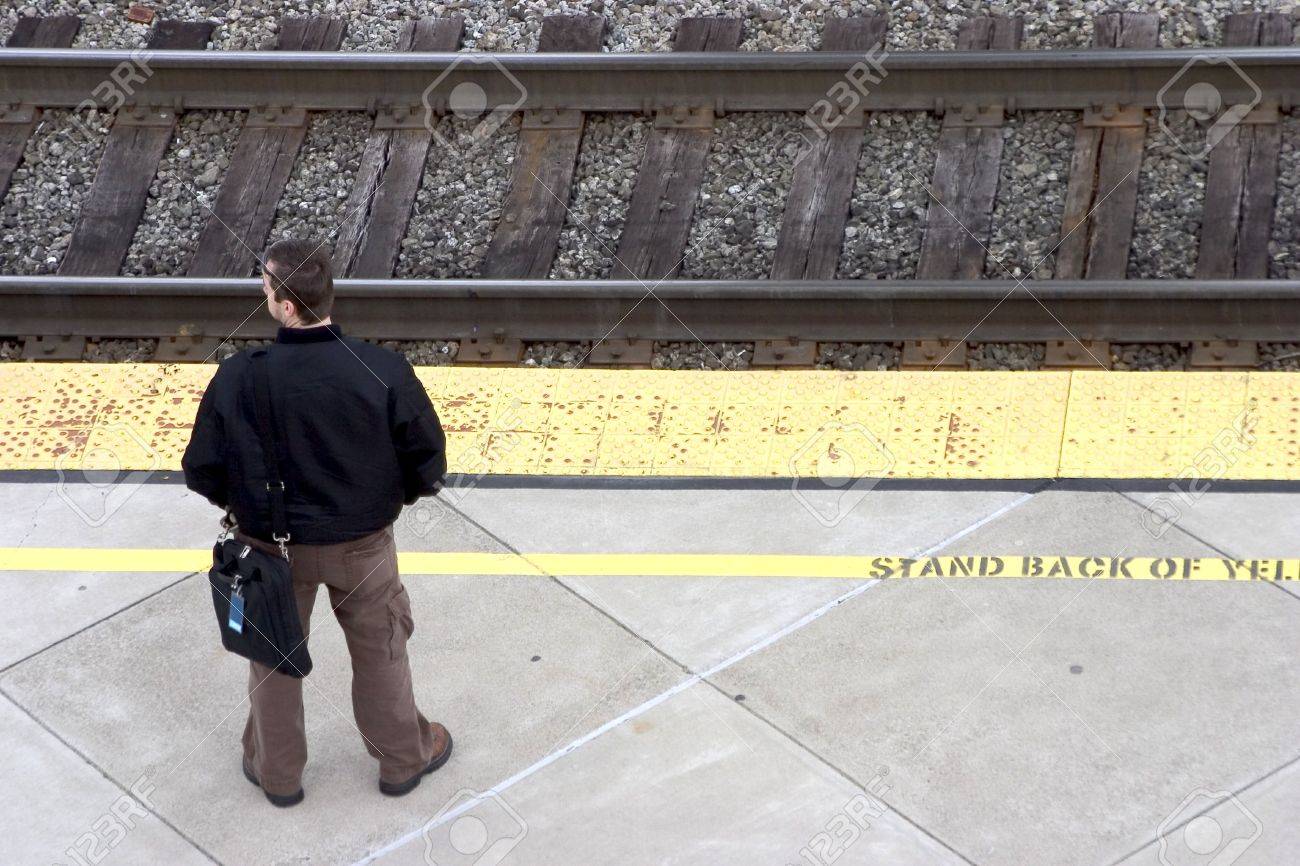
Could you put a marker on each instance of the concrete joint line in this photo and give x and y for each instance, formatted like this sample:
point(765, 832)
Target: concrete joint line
point(112, 781)
point(685, 684)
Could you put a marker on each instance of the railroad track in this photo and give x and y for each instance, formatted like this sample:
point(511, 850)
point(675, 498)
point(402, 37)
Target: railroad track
point(1222, 314)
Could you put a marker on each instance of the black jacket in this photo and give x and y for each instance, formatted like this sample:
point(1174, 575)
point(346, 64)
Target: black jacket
point(359, 435)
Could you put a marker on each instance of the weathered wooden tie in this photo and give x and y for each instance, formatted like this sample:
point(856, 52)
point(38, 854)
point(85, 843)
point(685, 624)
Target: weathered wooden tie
point(1101, 199)
point(379, 207)
point(1241, 185)
point(51, 31)
point(17, 123)
point(966, 168)
point(107, 222)
point(812, 227)
point(1241, 192)
point(240, 221)
point(672, 168)
point(962, 192)
point(523, 245)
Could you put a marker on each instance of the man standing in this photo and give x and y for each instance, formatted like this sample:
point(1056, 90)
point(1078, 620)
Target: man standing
point(360, 438)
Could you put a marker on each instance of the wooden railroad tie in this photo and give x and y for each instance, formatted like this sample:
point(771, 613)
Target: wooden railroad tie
point(111, 211)
point(1241, 185)
point(16, 127)
point(236, 231)
point(959, 218)
point(532, 216)
point(817, 207)
point(378, 209)
point(933, 355)
point(1241, 195)
point(17, 124)
point(1077, 355)
point(1101, 199)
point(523, 245)
point(658, 222)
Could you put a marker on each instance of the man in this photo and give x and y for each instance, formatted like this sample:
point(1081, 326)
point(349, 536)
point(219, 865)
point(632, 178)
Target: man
point(360, 438)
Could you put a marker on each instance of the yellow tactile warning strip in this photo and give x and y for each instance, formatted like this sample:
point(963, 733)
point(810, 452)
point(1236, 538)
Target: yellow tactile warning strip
point(993, 425)
point(687, 565)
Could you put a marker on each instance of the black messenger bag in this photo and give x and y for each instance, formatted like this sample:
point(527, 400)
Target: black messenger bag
point(252, 590)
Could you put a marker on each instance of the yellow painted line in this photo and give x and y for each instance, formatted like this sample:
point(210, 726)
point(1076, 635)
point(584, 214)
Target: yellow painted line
point(102, 559)
point(65, 559)
point(795, 424)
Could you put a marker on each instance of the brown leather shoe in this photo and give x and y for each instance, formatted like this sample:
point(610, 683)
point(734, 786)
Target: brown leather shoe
point(282, 801)
point(441, 752)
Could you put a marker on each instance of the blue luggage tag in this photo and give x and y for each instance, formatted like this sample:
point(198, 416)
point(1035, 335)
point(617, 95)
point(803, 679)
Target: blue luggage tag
point(236, 620)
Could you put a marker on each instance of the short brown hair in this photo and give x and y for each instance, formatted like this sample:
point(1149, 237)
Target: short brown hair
point(300, 271)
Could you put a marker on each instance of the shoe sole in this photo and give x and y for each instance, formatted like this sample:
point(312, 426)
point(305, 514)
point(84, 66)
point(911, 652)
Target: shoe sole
point(281, 801)
point(403, 788)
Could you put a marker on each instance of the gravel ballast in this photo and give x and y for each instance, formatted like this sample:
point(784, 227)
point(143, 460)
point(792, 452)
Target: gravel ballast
point(1148, 356)
point(1284, 249)
point(1279, 356)
point(748, 174)
point(182, 193)
point(887, 211)
point(103, 24)
point(47, 190)
point(1130, 357)
point(230, 347)
point(858, 356)
point(556, 354)
point(603, 180)
point(1171, 190)
point(737, 217)
point(1005, 356)
point(514, 25)
point(933, 24)
point(125, 351)
point(1030, 201)
point(425, 353)
point(701, 356)
point(315, 199)
point(459, 202)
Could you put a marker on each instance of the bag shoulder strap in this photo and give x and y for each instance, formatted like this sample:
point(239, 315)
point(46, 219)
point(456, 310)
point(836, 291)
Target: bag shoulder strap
point(264, 415)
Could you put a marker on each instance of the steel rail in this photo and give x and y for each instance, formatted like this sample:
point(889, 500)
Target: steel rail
point(734, 81)
point(841, 310)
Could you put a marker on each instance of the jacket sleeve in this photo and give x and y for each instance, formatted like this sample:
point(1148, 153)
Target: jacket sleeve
point(417, 437)
point(204, 462)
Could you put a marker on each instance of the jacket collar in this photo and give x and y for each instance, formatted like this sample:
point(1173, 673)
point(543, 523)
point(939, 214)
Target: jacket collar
point(308, 335)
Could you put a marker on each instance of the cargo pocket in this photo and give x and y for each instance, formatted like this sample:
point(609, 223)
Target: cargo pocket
point(400, 623)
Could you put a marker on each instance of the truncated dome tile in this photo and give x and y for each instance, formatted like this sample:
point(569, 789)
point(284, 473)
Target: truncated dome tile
point(743, 423)
point(626, 451)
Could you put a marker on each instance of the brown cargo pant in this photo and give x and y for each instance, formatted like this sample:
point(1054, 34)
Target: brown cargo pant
point(374, 610)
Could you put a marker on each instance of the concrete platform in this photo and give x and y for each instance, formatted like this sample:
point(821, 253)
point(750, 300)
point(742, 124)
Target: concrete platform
point(700, 781)
point(708, 719)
